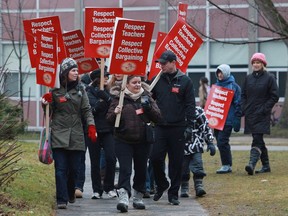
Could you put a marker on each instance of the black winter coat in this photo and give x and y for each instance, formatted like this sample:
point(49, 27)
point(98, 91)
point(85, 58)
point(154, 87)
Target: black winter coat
point(99, 109)
point(259, 95)
point(175, 98)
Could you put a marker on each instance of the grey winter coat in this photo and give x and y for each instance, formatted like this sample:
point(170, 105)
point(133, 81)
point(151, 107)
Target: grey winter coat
point(259, 95)
point(66, 123)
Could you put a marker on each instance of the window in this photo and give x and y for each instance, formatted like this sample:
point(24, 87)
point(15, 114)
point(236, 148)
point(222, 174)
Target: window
point(29, 85)
point(11, 85)
point(12, 88)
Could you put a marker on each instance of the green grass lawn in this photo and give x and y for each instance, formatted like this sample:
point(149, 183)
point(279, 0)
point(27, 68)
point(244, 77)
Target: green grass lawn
point(33, 190)
point(240, 194)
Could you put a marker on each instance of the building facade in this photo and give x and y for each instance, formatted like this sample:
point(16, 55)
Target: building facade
point(225, 39)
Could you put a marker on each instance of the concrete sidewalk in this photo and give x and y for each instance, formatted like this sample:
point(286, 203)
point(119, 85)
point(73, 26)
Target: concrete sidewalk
point(247, 140)
point(188, 206)
point(88, 207)
point(243, 143)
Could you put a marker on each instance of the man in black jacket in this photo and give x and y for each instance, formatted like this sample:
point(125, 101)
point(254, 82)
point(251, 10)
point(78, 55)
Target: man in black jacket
point(174, 94)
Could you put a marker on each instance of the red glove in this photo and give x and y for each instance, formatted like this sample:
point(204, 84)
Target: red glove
point(92, 133)
point(47, 97)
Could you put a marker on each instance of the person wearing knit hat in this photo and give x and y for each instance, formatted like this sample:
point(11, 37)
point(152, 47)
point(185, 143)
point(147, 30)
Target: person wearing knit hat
point(70, 108)
point(97, 73)
point(259, 94)
point(66, 65)
point(100, 101)
point(259, 57)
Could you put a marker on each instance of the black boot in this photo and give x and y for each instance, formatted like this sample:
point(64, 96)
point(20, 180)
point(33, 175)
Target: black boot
point(198, 185)
point(184, 189)
point(264, 169)
point(254, 157)
point(265, 162)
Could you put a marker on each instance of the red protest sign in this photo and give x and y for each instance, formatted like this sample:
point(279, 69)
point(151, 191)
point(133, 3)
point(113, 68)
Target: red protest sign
point(45, 24)
point(183, 41)
point(217, 106)
point(74, 44)
point(130, 46)
point(47, 58)
point(155, 66)
point(182, 10)
point(99, 27)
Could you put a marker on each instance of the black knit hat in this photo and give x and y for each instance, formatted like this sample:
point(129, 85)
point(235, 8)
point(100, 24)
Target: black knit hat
point(66, 65)
point(96, 73)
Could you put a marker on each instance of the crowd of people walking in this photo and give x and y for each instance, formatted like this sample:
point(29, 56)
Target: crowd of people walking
point(83, 116)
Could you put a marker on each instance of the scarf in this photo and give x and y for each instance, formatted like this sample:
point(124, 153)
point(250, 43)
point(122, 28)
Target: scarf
point(228, 83)
point(132, 95)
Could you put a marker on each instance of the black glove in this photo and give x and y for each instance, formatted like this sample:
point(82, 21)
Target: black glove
point(103, 95)
point(237, 124)
point(211, 148)
point(145, 103)
point(188, 134)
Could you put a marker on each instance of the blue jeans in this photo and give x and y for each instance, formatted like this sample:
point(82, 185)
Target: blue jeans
point(66, 163)
point(223, 145)
point(150, 185)
point(102, 159)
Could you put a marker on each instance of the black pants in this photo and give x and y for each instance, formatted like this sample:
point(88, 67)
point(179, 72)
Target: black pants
point(126, 153)
point(168, 140)
point(105, 141)
point(258, 142)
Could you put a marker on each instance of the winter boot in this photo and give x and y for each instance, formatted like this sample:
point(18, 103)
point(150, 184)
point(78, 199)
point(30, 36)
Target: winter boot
point(265, 162)
point(138, 200)
point(123, 200)
point(254, 157)
point(184, 189)
point(198, 185)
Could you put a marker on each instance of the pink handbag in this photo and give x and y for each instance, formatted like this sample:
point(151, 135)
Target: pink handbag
point(45, 149)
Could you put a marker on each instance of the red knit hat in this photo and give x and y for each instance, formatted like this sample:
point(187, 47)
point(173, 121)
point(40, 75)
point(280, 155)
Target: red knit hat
point(259, 57)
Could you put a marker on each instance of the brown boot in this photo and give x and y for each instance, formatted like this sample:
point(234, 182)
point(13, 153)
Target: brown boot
point(78, 193)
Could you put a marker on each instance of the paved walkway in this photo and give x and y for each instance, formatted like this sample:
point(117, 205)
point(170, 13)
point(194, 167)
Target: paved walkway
point(243, 143)
point(88, 207)
point(188, 206)
point(247, 140)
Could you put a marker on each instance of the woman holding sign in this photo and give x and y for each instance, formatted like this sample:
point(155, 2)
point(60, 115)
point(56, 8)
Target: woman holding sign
point(233, 120)
point(69, 105)
point(259, 95)
point(99, 101)
point(130, 141)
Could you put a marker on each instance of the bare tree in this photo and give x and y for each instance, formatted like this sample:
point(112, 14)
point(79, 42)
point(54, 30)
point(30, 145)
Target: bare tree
point(13, 28)
point(274, 23)
point(278, 22)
